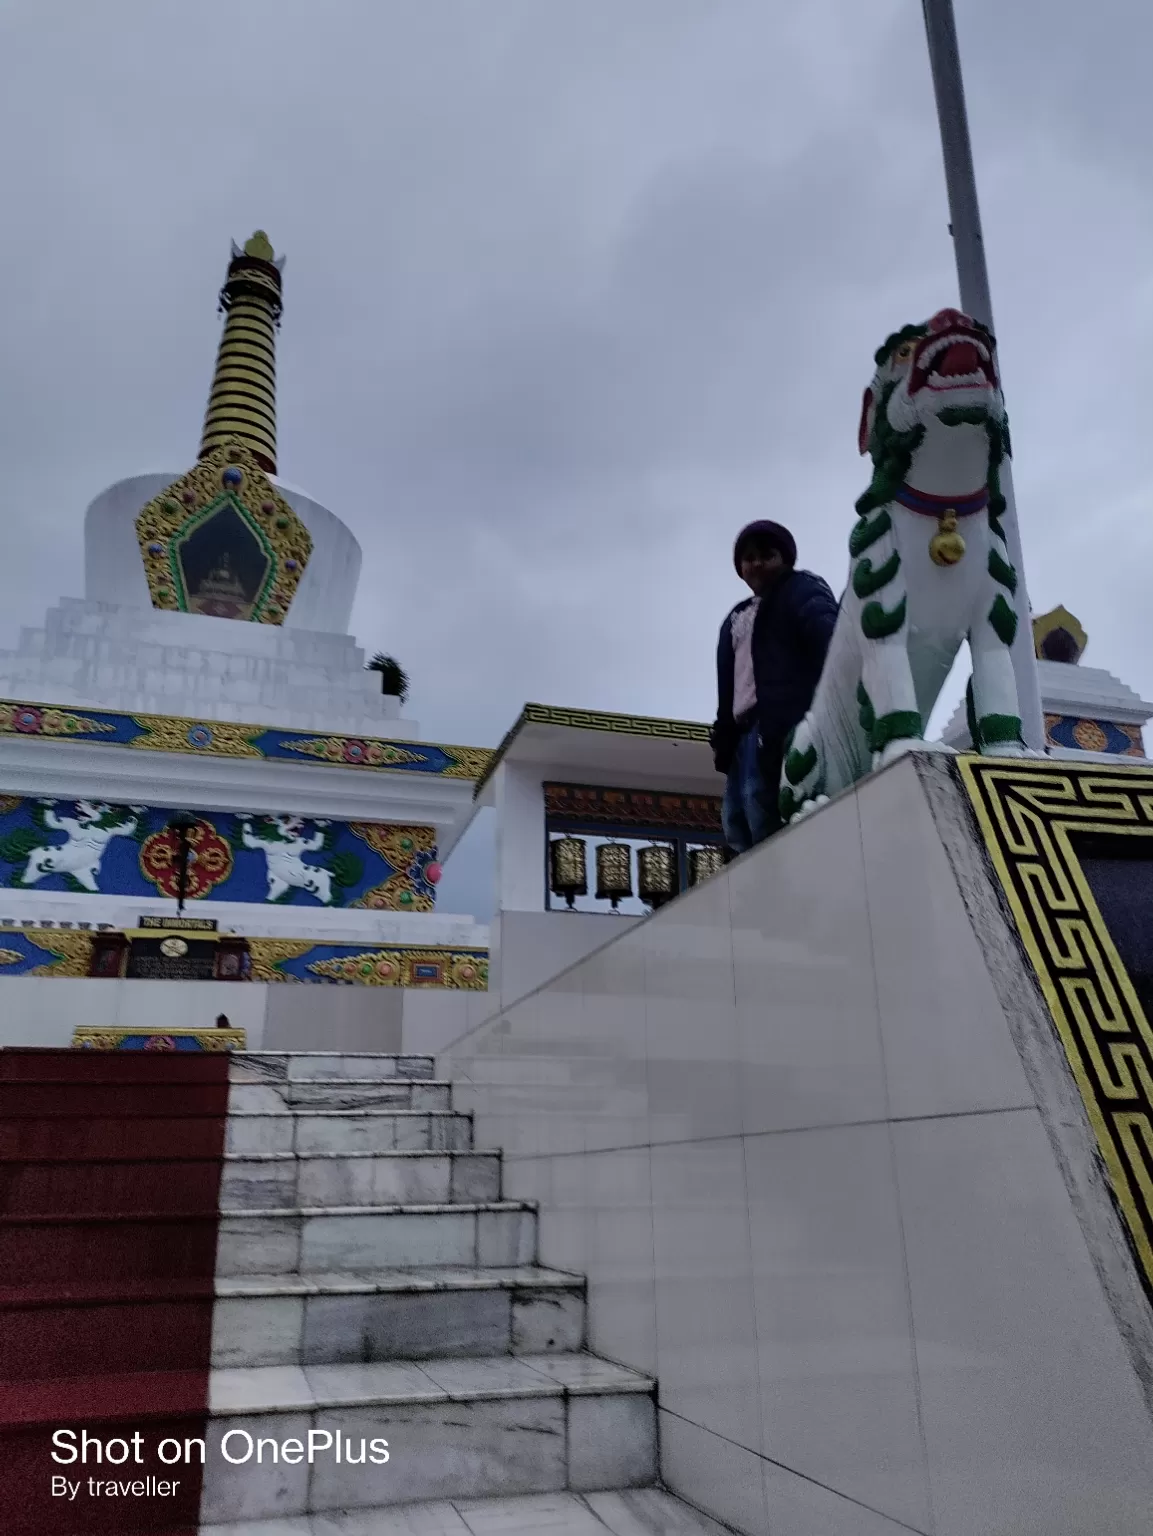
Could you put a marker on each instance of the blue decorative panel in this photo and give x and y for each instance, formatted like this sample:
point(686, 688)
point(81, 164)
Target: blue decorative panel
point(22, 955)
point(119, 850)
point(1081, 735)
point(215, 738)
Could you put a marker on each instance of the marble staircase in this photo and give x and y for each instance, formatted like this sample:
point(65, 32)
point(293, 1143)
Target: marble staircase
point(371, 1277)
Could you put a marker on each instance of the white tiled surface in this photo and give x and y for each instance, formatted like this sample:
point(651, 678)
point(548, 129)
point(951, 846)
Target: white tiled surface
point(620, 1272)
point(633, 1512)
point(806, 1002)
point(722, 1478)
point(476, 1427)
point(728, 1118)
point(706, 1334)
point(833, 1326)
point(1034, 1421)
point(929, 967)
point(694, 1087)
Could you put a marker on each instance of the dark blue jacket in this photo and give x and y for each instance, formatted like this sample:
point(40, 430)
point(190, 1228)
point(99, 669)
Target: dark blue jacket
point(791, 635)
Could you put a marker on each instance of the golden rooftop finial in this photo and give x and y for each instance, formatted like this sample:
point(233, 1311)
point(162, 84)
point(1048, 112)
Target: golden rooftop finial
point(259, 246)
point(242, 401)
point(1058, 636)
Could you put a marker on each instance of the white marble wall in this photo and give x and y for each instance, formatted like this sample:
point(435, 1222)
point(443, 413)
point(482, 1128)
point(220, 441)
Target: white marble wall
point(142, 661)
point(783, 1128)
point(44, 1010)
point(529, 948)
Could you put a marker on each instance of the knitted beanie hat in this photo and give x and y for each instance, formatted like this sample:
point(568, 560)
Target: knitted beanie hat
point(769, 533)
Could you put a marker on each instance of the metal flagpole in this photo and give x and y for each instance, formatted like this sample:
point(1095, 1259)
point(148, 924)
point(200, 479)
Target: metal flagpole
point(973, 281)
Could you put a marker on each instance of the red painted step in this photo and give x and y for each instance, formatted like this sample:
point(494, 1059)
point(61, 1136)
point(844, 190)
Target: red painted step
point(44, 1064)
point(110, 1168)
point(39, 1100)
point(83, 1339)
point(127, 1187)
point(46, 1248)
point(98, 1138)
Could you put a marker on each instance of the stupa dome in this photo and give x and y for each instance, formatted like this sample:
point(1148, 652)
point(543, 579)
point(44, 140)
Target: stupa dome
point(114, 571)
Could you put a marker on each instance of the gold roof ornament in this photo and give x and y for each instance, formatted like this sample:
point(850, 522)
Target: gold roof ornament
point(1058, 636)
point(260, 246)
point(242, 400)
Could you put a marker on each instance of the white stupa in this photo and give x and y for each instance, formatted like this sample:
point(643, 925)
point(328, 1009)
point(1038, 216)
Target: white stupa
point(1087, 710)
point(208, 670)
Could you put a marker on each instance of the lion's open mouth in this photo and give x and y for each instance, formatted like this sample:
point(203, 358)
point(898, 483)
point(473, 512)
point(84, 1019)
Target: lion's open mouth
point(955, 360)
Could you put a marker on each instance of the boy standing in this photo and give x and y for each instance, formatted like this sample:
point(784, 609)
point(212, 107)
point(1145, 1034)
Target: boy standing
point(769, 659)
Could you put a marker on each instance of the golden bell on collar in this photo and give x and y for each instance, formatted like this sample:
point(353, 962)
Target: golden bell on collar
point(946, 546)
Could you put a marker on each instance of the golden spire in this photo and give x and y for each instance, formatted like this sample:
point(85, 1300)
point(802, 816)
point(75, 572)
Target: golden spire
point(242, 403)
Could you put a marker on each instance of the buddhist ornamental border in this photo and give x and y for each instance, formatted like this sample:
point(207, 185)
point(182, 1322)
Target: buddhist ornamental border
point(222, 738)
point(1028, 813)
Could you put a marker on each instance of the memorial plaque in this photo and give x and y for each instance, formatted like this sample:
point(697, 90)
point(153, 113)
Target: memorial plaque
point(174, 958)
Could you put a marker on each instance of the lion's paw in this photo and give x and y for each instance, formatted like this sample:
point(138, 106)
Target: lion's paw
point(892, 750)
point(807, 808)
point(1011, 749)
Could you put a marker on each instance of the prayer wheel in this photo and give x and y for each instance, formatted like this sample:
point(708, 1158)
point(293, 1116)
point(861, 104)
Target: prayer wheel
point(657, 874)
point(614, 872)
point(704, 862)
point(568, 868)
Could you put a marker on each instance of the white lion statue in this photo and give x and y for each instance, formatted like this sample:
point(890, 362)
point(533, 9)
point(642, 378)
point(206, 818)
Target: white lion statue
point(929, 568)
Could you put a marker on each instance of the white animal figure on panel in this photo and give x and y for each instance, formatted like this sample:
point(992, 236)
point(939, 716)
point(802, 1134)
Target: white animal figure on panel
point(89, 832)
point(929, 567)
point(282, 841)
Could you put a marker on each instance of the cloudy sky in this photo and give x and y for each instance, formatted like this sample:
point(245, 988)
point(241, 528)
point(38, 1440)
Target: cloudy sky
point(574, 288)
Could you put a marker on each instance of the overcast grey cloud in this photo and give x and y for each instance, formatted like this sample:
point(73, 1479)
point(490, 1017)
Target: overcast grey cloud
point(573, 289)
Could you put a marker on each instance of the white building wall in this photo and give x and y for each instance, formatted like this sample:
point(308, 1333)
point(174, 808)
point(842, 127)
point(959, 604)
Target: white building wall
point(279, 1016)
point(518, 794)
point(784, 1128)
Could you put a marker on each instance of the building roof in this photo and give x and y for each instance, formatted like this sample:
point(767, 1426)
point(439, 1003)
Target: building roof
point(587, 736)
point(602, 748)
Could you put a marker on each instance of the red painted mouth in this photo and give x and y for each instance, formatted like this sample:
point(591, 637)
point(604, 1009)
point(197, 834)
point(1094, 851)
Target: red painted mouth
point(954, 357)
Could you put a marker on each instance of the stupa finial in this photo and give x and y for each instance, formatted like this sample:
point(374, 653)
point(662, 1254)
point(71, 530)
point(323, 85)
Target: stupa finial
point(1058, 636)
point(260, 246)
point(242, 401)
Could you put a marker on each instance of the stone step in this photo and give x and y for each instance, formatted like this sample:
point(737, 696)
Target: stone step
point(261, 1180)
point(324, 1066)
point(321, 1239)
point(455, 1429)
point(311, 1132)
point(348, 1093)
point(623, 1512)
point(346, 1318)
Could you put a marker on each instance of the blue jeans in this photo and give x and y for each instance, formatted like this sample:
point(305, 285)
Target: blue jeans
point(749, 809)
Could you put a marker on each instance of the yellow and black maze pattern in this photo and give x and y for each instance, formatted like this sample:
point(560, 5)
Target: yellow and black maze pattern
point(1073, 850)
